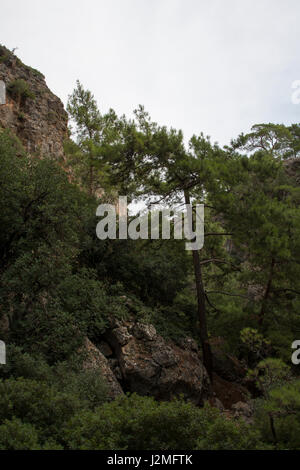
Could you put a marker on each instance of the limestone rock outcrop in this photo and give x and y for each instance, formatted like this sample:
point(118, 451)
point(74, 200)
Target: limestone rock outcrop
point(151, 365)
point(32, 111)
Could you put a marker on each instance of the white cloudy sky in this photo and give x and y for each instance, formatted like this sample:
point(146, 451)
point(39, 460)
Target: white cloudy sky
point(216, 66)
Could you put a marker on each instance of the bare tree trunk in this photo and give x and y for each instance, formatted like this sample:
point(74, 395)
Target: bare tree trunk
point(207, 355)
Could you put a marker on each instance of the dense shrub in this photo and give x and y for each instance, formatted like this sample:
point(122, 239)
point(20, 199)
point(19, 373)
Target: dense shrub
point(15, 435)
point(138, 423)
point(20, 90)
point(278, 416)
point(38, 404)
point(141, 423)
point(224, 434)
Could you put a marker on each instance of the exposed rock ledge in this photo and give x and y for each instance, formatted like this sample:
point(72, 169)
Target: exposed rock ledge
point(146, 363)
point(133, 357)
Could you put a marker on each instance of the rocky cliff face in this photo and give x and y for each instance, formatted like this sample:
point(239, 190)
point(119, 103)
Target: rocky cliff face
point(31, 111)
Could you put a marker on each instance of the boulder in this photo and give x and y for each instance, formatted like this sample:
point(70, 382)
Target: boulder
point(151, 365)
point(242, 408)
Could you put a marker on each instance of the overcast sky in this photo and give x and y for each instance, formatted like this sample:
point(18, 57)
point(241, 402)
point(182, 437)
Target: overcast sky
point(216, 66)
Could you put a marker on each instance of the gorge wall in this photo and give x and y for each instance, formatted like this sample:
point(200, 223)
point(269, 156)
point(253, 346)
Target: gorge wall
point(31, 111)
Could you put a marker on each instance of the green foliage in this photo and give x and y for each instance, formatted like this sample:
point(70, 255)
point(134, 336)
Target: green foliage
point(5, 54)
point(57, 278)
point(258, 203)
point(20, 90)
point(155, 270)
point(232, 435)
point(52, 302)
point(253, 340)
point(270, 373)
point(137, 423)
point(83, 109)
point(59, 283)
point(40, 398)
point(39, 241)
point(15, 435)
point(140, 423)
point(283, 407)
point(86, 384)
point(276, 139)
point(38, 404)
point(34, 71)
point(91, 131)
point(255, 344)
point(35, 415)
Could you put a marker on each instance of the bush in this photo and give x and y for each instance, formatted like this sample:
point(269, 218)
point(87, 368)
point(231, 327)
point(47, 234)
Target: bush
point(229, 435)
point(255, 345)
point(20, 91)
point(278, 416)
point(270, 373)
point(38, 404)
point(87, 385)
point(15, 435)
point(141, 423)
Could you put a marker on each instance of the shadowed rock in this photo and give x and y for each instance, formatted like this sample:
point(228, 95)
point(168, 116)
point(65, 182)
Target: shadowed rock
point(151, 365)
point(96, 360)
